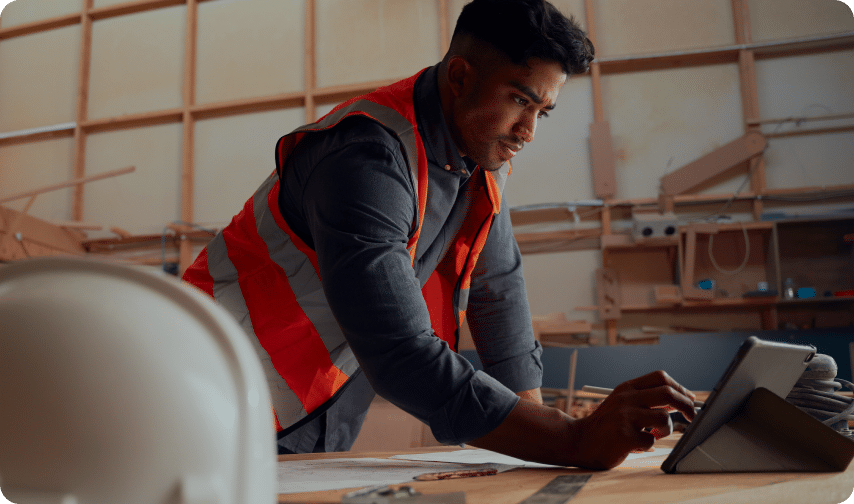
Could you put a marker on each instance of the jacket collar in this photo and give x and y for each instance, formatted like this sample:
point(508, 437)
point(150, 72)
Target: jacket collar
point(439, 146)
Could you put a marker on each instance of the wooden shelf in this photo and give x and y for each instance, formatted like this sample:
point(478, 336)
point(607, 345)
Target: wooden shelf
point(726, 54)
point(665, 275)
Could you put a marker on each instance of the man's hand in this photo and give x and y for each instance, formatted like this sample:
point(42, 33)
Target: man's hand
point(600, 441)
point(630, 419)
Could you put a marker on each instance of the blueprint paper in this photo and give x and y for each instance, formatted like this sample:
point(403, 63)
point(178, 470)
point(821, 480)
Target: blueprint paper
point(480, 456)
point(334, 474)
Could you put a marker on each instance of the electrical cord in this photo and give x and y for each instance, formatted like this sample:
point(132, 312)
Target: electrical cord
point(815, 394)
point(746, 253)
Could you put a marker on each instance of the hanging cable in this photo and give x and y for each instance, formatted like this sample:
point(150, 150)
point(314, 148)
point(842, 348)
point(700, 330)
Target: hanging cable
point(746, 253)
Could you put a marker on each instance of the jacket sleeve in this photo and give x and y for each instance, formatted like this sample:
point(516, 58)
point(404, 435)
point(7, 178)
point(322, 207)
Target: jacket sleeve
point(498, 313)
point(358, 204)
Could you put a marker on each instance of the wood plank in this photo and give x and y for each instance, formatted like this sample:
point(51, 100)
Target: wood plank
point(134, 120)
point(38, 231)
point(248, 105)
point(310, 47)
point(39, 26)
point(602, 159)
point(82, 107)
point(608, 293)
point(728, 54)
point(713, 164)
point(69, 183)
point(444, 27)
point(132, 7)
point(188, 131)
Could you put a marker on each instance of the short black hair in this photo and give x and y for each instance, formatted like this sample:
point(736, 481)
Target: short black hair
point(525, 29)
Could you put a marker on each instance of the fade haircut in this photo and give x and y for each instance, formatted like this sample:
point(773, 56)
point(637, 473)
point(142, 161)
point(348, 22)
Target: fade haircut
point(525, 29)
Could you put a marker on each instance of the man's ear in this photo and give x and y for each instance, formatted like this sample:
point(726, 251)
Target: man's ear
point(459, 75)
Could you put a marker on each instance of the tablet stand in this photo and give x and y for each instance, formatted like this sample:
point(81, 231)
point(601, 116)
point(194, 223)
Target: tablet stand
point(770, 434)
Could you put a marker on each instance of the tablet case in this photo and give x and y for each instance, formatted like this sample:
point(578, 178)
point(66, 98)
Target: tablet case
point(770, 434)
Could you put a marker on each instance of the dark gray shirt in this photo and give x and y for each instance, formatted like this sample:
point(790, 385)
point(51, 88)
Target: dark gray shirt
point(349, 195)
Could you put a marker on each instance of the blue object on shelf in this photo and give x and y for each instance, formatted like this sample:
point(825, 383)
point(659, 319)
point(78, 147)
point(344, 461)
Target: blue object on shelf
point(806, 293)
point(706, 284)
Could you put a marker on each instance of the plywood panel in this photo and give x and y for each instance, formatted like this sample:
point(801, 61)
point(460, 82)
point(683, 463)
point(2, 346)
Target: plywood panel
point(233, 156)
point(785, 19)
point(559, 282)
point(137, 63)
point(652, 26)
point(366, 40)
point(821, 84)
point(29, 166)
point(662, 120)
point(39, 79)
point(29, 11)
point(249, 48)
point(823, 87)
point(811, 161)
point(145, 200)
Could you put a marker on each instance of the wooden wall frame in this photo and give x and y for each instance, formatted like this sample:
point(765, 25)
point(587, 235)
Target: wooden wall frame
point(744, 52)
point(309, 98)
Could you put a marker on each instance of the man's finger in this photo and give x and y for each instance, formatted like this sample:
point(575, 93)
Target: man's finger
point(665, 396)
point(655, 421)
point(657, 379)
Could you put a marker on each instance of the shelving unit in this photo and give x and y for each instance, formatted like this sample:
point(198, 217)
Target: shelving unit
point(722, 272)
point(663, 275)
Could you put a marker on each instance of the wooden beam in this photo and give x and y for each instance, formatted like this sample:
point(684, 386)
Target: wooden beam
point(749, 94)
point(69, 183)
point(185, 250)
point(728, 54)
point(248, 105)
point(133, 120)
point(713, 164)
point(82, 109)
point(602, 159)
point(595, 71)
point(86, 226)
point(800, 119)
point(39, 26)
point(444, 27)
point(608, 293)
point(310, 60)
point(132, 7)
point(36, 231)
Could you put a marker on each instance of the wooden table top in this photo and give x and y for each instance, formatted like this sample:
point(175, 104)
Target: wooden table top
point(636, 481)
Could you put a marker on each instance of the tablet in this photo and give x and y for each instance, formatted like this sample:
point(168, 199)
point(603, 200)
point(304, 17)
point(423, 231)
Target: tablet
point(758, 363)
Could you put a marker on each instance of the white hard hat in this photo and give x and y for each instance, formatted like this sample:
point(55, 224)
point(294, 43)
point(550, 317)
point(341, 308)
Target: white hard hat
point(124, 385)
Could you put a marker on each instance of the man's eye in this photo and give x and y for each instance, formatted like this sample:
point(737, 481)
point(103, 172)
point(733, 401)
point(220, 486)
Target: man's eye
point(520, 100)
point(543, 114)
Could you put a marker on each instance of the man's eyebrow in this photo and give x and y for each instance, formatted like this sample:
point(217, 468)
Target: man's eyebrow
point(527, 91)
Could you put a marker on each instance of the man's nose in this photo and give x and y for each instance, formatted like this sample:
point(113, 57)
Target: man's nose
point(526, 127)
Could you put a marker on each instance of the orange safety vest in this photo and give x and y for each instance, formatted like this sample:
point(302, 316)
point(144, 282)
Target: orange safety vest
point(269, 279)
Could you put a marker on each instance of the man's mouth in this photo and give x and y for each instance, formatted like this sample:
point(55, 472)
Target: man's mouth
point(509, 150)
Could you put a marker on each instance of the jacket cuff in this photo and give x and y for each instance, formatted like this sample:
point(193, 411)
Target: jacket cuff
point(474, 411)
point(520, 373)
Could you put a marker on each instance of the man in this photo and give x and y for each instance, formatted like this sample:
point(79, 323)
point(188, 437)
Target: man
point(384, 228)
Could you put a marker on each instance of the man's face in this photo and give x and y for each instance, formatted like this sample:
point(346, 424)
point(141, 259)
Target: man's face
point(498, 109)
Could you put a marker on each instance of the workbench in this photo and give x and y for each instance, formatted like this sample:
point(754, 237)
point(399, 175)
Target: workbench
point(637, 481)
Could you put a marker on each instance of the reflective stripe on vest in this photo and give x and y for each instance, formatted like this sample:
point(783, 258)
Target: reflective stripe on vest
point(262, 272)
